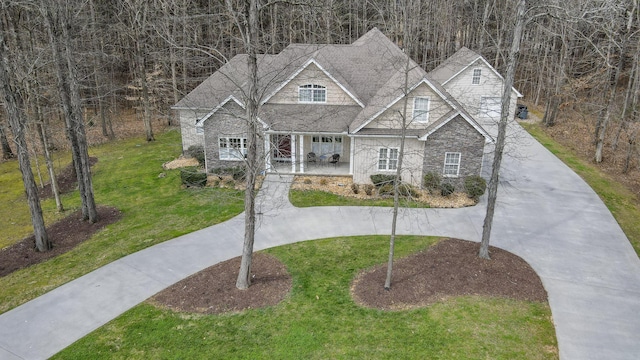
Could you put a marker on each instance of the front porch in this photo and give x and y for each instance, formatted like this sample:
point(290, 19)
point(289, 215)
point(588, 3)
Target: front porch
point(308, 154)
point(317, 168)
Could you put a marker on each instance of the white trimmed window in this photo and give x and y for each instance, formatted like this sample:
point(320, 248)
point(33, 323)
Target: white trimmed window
point(199, 129)
point(421, 109)
point(451, 164)
point(388, 159)
point(323, 145)
point(312, 93)
point(232, 148)
point(477, 73)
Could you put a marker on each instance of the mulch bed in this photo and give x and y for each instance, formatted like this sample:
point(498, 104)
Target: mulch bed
point(64, 234)
point(213, 290)
point(67, 180)
point(449, 268)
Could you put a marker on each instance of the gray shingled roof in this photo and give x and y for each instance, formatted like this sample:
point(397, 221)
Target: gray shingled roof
point(453, 65)
point(371, 69)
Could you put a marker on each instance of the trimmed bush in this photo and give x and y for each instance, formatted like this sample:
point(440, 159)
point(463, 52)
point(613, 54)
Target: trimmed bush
point(408, 191)
point(308, 181)
point(475, 186)
point(446, 189)
point(191, 177)
point(382, 179)
point(385, 190)
point(323, 181)
point(431, 181)
point(355, 188)
point(236, 172)
point(196, 152)
point(368, 189)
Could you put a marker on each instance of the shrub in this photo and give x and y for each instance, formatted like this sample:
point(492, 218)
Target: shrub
point(191, 177)
point(368, 189)
point(323, 181)
point(307, 181)
point(446, 189)
point(385, 190)
point(431, 181)
point(409, 191)
point(237, 172)
point(215, 183)
point(355, 188)
point(196, 152)
point(382, 179)
point(230, 183)
point(475, 186)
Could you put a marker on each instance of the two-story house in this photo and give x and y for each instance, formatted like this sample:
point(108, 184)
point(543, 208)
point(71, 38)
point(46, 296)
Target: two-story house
point(321, 102)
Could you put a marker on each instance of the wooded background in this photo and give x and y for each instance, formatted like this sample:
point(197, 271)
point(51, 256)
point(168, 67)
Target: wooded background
point(579, 59)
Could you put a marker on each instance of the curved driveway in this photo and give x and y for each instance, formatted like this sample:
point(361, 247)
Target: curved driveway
point(546, 214)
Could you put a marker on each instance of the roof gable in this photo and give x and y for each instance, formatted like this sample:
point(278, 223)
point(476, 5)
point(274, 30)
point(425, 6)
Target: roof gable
point(458, 63)
point(329, 75)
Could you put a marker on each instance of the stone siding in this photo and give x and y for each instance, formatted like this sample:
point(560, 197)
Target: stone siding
point(228, 121)
point(455, 136)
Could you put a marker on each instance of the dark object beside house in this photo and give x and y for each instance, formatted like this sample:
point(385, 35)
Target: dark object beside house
point(335, 159)
point(522, 112)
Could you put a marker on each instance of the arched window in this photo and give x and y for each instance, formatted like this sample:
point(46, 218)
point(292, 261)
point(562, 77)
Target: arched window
point(312, 93)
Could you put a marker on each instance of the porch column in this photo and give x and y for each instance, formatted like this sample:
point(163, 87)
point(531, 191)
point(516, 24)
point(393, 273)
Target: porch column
point(302, 156)
point(267, 149)
point(293, 153)
point(352, 154)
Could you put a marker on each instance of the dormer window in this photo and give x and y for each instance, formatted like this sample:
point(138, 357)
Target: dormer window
point(477, 73)
point(312, 93)
point(421, 109)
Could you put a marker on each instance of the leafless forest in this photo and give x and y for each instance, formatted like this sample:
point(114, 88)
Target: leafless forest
point(133, 59)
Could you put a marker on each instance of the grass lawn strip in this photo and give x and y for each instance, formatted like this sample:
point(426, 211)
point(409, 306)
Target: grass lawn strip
point(319, 319)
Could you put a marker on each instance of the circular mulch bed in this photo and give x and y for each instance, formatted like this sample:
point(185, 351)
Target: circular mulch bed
point(64, 234)
point(449, 268)
point(213, 290)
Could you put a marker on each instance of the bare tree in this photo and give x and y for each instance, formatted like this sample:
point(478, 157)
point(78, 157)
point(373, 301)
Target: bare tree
point(502, 129)
point(17, 119)
point(57, 21)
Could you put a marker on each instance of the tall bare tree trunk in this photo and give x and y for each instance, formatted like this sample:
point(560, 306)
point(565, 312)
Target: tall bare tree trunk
point(6, 149)
point(68, 88)
point(17, 122)
point(250, 34)
point(502, 130)
point(403, 130)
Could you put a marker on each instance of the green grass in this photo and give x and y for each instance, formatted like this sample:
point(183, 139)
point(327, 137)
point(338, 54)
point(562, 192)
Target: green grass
point(307, 198)
point(154, 209)
point(319, 320)
point(623, 204)
point(15, 221)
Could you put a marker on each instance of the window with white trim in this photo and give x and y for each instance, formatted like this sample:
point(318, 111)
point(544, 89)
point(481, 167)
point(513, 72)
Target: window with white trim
point(421, 109)
point(323, 145)
point(199, 129)
point(312, 93)
point(451, 164)
point(477, 73)
point(232, 148)
point(388, 159)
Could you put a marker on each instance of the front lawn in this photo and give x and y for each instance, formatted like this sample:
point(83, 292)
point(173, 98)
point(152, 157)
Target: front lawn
point(128, 176)
point(319, 320)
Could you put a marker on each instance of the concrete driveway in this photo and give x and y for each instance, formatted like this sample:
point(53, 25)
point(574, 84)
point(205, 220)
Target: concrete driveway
point(546, 214)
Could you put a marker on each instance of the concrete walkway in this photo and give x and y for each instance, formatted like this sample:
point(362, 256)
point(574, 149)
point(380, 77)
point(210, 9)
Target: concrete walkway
point(546, 214)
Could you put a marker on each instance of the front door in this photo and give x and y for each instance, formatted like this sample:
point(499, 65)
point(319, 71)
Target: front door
point(282, 147)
